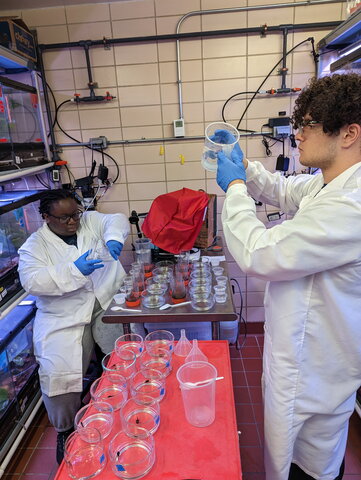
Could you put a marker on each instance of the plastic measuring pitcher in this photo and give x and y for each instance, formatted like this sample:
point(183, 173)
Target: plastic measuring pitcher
point(197, 381)
point(212, 147)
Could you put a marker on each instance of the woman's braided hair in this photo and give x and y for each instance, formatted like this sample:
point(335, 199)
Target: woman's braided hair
point(335, 101)
point(53, 196)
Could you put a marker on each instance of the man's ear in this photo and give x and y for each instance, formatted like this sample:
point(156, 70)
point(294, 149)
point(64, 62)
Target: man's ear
point(46, 217)
point(350, 134)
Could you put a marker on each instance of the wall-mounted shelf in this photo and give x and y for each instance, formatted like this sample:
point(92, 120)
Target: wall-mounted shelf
point(346, 33)
point(23, 172)
point(11, 62)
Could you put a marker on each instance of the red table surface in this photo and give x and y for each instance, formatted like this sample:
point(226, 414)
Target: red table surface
point(182, 450)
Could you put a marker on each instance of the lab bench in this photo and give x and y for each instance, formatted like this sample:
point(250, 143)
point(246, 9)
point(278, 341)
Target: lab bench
point(219, 312)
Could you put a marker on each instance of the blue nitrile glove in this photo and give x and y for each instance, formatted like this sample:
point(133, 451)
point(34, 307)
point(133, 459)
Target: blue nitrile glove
point(224, 136)
point(85, 266)
point(229, 170)
point(114, 248)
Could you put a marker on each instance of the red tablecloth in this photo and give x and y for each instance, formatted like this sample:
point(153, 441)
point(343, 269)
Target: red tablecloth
point(184, 451)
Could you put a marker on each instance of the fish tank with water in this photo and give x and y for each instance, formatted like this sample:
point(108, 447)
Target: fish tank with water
point(19, 218)
point(19, 383)
point(21, 138)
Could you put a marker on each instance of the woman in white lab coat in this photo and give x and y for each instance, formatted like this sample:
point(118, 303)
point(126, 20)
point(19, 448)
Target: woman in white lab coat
point(72, 293)
point(312, 352)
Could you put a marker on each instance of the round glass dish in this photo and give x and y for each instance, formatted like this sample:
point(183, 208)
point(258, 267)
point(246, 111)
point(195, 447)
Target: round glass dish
point(202, 302)
point(152, 300)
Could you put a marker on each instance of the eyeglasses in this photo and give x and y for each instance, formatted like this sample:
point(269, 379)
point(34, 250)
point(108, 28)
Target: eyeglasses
point(307, 123)
point(66, 218)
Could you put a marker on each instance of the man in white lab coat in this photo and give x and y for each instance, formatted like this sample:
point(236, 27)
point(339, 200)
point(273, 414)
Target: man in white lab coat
point(312, 351)
point(72, 293)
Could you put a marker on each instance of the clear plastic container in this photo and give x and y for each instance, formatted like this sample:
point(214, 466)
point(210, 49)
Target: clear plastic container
point(202, 303)
point(159, 339)
point(129, 341)
point(100, 252)
point(123, 362)
point(152, 300)
point(212, 147)
point(218, 271)
point(148, 381)
point(221, 280)
point(198, 400)
point(164, 263)
point(97, 415)
point(111, 388)
point(161, 362)
point(132, 457)
point(142, 411)
point(200, 290)
point(143, 253)
point(220, 293)
point(84, 454)
point(119, 298)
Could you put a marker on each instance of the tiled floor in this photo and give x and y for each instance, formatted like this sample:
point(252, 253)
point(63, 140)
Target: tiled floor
point(35, 459)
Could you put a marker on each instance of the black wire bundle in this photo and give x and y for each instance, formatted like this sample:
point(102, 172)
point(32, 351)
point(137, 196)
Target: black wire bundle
point(56, 122)
point(241, 318)
point(310, 39)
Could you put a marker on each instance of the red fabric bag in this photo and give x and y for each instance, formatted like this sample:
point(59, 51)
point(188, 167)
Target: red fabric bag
point(175, 219)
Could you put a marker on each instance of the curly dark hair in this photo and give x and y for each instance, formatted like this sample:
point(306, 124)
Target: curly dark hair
point(53, 196)
point(335, 101)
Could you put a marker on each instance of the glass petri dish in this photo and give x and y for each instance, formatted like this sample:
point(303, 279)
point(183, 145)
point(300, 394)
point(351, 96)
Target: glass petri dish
point(151, 300)
point(202, 302)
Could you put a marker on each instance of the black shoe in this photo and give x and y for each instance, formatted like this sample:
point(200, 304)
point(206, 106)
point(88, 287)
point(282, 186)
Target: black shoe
point(60, 444)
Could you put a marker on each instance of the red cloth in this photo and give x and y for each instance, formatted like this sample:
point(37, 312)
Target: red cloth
point(175, 219)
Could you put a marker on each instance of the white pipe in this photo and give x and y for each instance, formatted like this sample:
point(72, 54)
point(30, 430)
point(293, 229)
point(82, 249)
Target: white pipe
point(41, 116)
point(18, 439)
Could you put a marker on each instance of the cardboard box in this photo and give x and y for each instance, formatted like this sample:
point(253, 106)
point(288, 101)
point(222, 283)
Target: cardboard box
point(15, 36)
point(209, 228)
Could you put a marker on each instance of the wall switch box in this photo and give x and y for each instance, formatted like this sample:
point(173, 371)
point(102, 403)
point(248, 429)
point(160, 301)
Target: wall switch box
point(178, 126)
point(272, 217)
point(281, 126)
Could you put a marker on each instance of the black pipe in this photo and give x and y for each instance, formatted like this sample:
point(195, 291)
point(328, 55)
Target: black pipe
point(55, 156)
point(180, 36)
point(86, 45)
point(284, 58)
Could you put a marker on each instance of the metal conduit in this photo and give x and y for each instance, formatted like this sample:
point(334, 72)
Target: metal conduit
point(154, 140)
point(232, 10)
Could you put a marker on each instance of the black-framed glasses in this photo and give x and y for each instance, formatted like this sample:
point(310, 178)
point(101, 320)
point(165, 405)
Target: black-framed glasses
point(307, 123)
point(66, 218)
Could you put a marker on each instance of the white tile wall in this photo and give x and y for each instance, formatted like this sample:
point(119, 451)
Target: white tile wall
point(143, 77)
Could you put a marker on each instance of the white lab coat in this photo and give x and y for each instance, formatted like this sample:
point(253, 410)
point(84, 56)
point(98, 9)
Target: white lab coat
point(65, 297)
point(312, 352)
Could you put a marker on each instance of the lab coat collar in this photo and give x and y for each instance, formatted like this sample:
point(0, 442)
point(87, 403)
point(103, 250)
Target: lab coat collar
point(341, 180)
point(52, 237)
